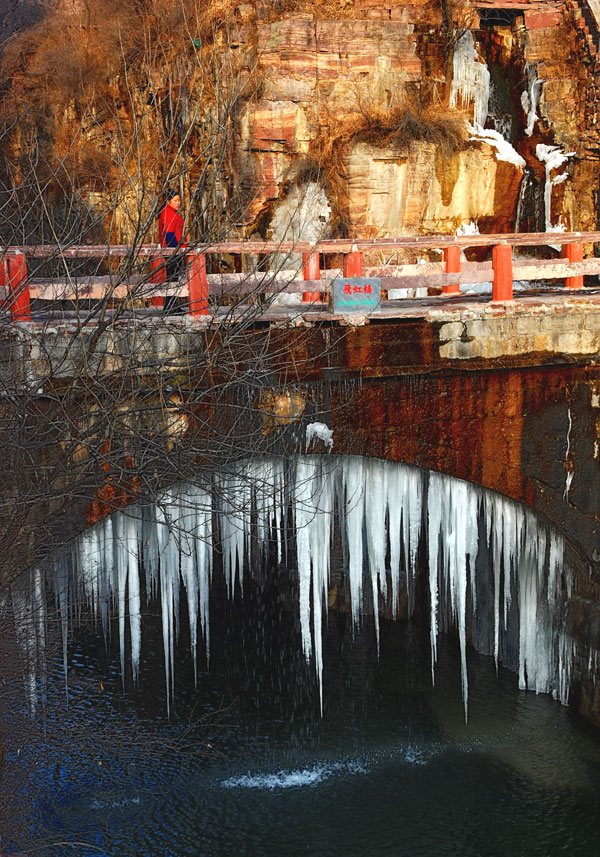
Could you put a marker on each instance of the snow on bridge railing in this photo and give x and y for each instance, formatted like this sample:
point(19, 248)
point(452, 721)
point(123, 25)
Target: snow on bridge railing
point(312, 282)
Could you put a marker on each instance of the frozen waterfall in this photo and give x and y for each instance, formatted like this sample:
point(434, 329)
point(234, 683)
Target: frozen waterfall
point(470, 79)
point(494, 572)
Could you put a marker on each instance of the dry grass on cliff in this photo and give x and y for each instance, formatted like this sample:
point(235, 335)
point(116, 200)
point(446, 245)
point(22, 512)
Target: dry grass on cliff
point(448, 131)
point(399, 127)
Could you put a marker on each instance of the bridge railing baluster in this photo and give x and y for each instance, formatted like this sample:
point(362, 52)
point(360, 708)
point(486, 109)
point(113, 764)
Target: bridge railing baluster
point(574, 253)
point(158, 275)
point(502, 286)
point(353, 263)
point(452, 263)
point(311, 270)
point(18, 287)
point(197, 285)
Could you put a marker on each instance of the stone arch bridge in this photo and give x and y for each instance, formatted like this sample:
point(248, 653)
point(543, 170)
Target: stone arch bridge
point(503, 393)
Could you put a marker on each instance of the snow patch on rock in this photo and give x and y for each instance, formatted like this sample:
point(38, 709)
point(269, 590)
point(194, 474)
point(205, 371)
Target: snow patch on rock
point(504, 150)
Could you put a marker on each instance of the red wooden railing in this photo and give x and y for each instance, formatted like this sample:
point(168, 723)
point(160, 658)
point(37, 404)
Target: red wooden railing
point(312, 282)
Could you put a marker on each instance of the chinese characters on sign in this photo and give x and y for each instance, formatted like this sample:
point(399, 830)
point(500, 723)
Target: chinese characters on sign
point(356, 294)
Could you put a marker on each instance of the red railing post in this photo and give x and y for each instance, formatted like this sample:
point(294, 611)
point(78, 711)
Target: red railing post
point(353, 263)
point(157, 275)
point(574, 253)
point(502, 288)
point(452, 261)
point(18, 288)
point(311, 270)
point(197, 285)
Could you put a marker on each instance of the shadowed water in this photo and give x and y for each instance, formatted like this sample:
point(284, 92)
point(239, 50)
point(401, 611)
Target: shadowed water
point(390, 768)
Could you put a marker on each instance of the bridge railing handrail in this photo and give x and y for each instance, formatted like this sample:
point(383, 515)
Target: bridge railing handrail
point(329, 246)
point(447, 275)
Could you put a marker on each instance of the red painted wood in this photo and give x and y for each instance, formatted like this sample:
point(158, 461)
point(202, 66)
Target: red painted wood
point(18, 288)
point(311, 271)
point(452, 263)
point(574, 253)
point(353, 264)
point(502, 287)
point(197, 285)
point(158, 275)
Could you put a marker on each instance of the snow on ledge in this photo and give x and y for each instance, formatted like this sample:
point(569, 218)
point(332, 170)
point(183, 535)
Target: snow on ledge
point(321, 432)
point(552, 156)
point(504, 150)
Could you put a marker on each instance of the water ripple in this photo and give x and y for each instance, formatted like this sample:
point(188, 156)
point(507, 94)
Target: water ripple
point(293, 779)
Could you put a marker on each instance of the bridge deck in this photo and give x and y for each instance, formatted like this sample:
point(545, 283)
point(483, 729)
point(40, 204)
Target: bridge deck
point(406, 308)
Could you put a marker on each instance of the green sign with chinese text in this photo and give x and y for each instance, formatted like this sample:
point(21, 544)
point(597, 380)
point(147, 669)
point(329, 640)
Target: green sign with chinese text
point(359, 295)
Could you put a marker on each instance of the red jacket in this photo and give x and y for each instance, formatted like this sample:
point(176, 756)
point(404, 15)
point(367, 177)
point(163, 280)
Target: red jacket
point(170, 228)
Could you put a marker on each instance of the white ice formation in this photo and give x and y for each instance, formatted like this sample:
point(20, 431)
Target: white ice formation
point(530, 97)
point(495, 573)
point(303, 215)
point(321, 432)
point(467, 227)
point(470, 79)
point(504, 150)
point(553, 157)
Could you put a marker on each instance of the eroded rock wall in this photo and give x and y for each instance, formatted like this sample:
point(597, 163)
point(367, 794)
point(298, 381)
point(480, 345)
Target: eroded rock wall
point(322, 75)
point(373, 100)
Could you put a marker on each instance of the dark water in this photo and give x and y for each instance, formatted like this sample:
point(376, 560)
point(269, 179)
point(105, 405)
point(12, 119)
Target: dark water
point(247, 767)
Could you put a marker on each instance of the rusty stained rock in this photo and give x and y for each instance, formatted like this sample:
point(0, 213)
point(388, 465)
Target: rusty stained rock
point(281, 408)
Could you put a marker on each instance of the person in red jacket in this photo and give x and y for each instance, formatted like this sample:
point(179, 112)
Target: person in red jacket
point(170, 222)
point(170, 234)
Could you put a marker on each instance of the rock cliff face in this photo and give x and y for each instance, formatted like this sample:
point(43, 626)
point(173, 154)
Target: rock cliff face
point(523, 75)
point(409, 117)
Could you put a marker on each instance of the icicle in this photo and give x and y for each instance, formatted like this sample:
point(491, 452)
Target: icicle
point(323, 498)
point(434, 507)
point(169, 586)
point(470, 80)
point(553, 157)
point(29, 612)
point(414, 499)
point(457, 526)
point(530, 97)
point(495, 540)
point(378, 504)
point(234, 518)
point(199, 575)
point(126, 571)
point(60, 583)
point(305, 473)
point(523, 188)
point(188, 565)
point(354, 517)
point(394, 509)
point(127, 537)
